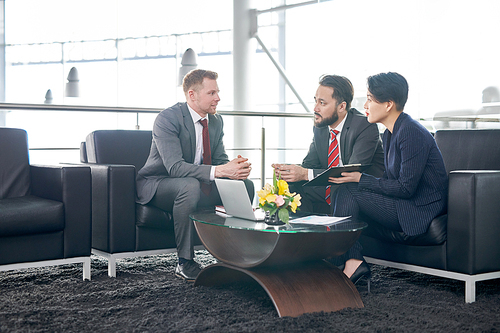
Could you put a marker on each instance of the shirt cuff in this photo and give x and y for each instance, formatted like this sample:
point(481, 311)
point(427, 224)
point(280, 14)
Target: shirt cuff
point(310, 174)
point(212, 173)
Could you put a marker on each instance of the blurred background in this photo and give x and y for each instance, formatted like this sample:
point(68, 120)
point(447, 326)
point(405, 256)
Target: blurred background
point(125, 53)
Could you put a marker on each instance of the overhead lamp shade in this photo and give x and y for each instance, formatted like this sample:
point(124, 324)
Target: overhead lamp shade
point(188, 63)
point(73, 84)
point(48, 97)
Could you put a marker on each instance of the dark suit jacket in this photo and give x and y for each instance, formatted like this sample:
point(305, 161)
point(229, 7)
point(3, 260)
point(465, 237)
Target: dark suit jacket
point(359, 143)
point(415, 175)
point(173, 150)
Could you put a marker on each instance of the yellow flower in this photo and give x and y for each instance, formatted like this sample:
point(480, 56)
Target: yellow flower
point(264, 193)
point(295, 202)
point(283, 187)
point(271, 198)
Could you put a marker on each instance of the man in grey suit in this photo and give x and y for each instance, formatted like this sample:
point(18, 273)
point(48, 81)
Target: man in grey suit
point(358, 140)
point(176, 176)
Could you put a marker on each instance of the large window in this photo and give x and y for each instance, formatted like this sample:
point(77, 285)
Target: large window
point(446, 49)
point(128, 52)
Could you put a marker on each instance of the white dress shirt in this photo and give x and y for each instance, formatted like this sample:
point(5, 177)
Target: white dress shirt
point(310, 172)
point(198, 129)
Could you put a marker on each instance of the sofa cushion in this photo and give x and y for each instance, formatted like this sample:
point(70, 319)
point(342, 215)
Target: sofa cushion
point(30, 215)
point(14, 163)
point(435, 235)
point(151, 217)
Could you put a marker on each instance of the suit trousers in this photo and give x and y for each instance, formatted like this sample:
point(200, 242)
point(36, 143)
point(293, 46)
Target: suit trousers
point(349, 200)
point(312, 197)
point(182, 197)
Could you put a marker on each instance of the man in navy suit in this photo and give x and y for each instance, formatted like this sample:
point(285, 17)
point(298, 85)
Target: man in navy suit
point(175, 169)
point(359, 142)
point(412, 191)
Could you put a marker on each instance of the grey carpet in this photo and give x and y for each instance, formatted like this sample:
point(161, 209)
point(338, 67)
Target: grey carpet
point(146, 297)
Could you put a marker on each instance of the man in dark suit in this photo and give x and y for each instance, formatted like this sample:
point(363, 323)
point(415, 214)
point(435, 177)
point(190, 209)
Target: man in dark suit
point(359, 143)
point(178, 175)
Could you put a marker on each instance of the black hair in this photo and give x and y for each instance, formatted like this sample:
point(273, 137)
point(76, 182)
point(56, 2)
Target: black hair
point(342, 88)
point(385, 87)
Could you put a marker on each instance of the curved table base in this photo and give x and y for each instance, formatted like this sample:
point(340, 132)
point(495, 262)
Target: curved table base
point(294, 289)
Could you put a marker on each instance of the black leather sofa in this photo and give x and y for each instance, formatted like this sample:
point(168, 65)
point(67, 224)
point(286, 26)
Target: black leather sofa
point(121, 228)
point(462, 244)
point(45, 213)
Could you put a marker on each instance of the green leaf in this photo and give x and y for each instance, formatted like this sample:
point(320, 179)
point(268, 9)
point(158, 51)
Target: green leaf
point(275, 182)
point(283, 215)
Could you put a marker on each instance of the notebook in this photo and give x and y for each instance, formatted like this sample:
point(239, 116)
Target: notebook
point(235, 200)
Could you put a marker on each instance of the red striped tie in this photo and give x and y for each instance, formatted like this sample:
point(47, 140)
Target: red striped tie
point(207, 156)
point(333, 159)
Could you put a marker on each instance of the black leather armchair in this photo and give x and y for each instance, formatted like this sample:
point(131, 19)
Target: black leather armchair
point(462, 244)
point(121, 228)
point(45, 213)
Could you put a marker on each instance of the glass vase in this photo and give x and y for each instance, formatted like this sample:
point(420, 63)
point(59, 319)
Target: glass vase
point(273, 219)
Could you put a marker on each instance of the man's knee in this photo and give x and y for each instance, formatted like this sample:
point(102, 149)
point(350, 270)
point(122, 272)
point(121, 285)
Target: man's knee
point(189, 191)
point(296, 187)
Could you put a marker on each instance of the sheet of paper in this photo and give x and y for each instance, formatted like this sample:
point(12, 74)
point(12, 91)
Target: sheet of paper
point(319, 220)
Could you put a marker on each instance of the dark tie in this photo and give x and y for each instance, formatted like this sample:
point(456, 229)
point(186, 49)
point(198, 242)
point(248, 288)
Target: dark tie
point(333, 159)
point(207, 156)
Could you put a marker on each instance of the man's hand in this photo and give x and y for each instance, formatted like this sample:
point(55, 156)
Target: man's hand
point(347, 177)
point(238, 168)
point(290, 172)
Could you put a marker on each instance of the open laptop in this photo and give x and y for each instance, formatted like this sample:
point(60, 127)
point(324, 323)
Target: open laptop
point(235, 200)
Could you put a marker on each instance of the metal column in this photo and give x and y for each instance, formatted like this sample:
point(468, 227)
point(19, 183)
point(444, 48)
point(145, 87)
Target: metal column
point(243, 58)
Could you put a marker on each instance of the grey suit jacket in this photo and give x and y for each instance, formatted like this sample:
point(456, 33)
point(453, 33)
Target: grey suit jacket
point(359, 143)
point(173, 150)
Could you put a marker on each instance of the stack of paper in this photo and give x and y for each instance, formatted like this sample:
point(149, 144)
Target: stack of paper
point(319, 220)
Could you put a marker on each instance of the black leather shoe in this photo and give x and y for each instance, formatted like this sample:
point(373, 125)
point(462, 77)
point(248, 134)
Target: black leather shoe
point(363, 270)
point(188, 270)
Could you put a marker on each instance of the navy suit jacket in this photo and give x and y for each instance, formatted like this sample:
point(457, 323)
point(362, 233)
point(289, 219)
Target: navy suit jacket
point(173, 150)
point(414, 174)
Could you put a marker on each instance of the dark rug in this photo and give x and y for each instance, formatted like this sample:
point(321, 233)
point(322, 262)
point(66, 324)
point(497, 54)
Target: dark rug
point(146, 297)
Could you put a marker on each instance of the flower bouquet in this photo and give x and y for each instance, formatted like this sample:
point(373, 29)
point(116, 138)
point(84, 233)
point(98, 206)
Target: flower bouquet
point(277, 199)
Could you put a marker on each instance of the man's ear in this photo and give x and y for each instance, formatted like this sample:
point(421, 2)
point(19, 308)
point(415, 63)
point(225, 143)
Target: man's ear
point(342, 107)
point(191, 94)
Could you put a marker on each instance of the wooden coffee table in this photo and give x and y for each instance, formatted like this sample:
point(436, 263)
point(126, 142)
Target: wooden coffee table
point(287, 261)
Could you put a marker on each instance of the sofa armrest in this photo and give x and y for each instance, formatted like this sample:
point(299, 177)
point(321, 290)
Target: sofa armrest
point(71, 186)
point(113, 207)
point(473, 221)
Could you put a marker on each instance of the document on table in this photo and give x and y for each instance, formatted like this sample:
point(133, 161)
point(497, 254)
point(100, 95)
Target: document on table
point(319, 220)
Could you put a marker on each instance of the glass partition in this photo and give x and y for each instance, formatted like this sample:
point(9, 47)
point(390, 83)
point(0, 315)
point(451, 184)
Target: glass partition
point(128, 54)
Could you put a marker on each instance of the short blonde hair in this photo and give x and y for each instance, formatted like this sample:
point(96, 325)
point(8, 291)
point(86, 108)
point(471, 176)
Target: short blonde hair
point(194, 79)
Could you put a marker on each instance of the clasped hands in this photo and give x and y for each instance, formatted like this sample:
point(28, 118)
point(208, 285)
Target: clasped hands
point(238, 168)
